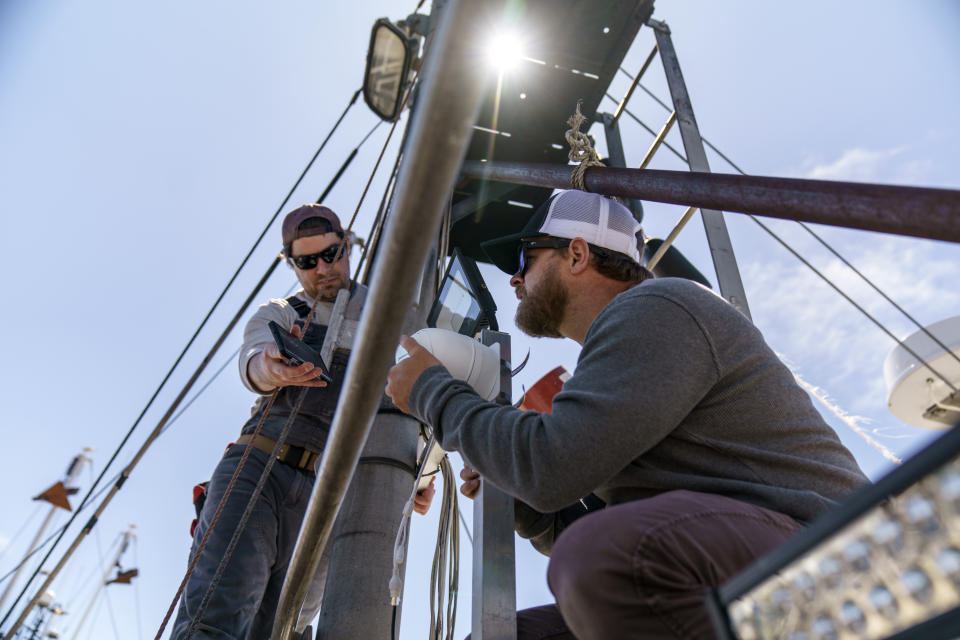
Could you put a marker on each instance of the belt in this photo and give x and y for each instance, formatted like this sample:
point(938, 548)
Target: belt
point(296, 457)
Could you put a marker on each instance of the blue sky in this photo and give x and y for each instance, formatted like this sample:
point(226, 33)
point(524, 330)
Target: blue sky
point(143, 148)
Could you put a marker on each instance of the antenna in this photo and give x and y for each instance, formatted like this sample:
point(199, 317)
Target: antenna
point(916, 395)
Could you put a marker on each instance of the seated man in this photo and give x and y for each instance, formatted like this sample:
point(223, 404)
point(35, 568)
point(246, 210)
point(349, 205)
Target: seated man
point(679, 417)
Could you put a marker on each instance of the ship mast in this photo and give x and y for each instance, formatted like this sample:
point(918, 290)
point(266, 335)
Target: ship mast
point(56, 495)
point(124, 544)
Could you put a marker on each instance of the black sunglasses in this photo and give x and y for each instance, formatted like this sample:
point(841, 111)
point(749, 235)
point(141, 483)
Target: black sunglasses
point(549, 243)
point(543, 243)
point(329, 255)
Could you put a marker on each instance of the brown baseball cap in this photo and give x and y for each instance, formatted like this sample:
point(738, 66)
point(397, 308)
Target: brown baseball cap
point(293, 220)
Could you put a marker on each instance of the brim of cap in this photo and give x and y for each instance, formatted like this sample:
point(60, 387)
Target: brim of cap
point(504, 252)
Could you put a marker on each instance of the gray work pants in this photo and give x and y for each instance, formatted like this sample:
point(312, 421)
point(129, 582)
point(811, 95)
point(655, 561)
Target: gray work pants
point(243, 605)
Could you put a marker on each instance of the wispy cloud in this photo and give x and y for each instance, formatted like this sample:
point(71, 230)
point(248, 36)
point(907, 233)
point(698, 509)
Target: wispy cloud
point(858, 424)
point(830, 341)
point(856, 164)
point(4, 542)
point(895, 165)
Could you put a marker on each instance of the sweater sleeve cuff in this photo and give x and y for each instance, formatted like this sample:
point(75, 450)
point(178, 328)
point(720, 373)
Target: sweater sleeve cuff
point(426, 388)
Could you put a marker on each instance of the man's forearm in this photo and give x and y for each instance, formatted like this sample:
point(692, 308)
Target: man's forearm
point(256, 374)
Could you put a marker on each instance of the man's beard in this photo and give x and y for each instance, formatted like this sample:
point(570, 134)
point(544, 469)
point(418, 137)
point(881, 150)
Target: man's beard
point(540, 312)
point(329, 292)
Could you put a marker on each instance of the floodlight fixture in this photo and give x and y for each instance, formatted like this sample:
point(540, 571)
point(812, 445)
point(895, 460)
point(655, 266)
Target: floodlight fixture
point(389, 60)
point(464, 303)
point(884, 564)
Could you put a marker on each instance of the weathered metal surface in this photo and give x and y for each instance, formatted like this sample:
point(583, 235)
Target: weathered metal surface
point(910, 211)
point(721, 248)
point(617, 158)
point(494, 574)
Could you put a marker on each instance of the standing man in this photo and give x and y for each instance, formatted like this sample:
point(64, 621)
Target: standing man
point(679, 417)
point(243, 604)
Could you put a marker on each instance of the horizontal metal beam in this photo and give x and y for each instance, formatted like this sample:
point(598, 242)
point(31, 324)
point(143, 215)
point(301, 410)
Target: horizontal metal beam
point(908, 211)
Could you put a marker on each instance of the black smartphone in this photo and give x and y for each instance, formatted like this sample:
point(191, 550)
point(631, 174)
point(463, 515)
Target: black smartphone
point(297, 351)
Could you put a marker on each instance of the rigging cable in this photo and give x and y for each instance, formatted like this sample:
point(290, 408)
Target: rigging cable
point(776, 237)
point(106, 592)
point(53, 534)
point(816, 236)
point(8, 544)
point(370, 248)
point(166, 378)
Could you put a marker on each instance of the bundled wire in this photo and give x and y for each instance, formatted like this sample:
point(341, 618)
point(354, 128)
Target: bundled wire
point(445, 572)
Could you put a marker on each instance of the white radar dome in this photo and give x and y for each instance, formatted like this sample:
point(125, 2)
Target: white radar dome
point(917, 395)
point(465, 358)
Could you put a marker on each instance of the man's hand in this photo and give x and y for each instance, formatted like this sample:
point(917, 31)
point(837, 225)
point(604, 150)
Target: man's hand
point(269, 370)
point(471, 482)
point(403, 374)
point(421, 503)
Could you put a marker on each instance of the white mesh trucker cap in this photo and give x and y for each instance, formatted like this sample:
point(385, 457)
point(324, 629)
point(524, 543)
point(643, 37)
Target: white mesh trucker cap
point(572, 214)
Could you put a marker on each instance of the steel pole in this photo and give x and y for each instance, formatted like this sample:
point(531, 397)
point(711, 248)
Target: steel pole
point(441, 128)
point(908, 211)
point(494, 548)
point(362, 540)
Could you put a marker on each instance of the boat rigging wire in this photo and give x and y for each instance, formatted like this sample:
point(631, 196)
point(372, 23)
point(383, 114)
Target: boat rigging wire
point(835, 287)
point(809, 230)
point(163, 382)
point(55, 533)
point(128, 470)
point(106, 593)
point(370, 248)
point(23, 527)
point(346, 163)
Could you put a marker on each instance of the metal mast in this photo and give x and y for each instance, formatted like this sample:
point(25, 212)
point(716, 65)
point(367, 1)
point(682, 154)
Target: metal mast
point(127, 537)
point(71, 474)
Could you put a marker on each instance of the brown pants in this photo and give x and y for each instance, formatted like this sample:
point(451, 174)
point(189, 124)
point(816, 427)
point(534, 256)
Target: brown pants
point(642, 569)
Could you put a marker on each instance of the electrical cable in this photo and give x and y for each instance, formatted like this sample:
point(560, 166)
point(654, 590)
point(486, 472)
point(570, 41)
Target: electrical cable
point(186, 348)
point(830, 248)
point(400, 541)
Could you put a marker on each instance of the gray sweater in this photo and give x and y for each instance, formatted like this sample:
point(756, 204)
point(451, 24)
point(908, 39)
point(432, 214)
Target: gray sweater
point(674, 389)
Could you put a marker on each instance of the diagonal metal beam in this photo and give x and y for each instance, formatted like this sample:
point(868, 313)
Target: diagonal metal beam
point(721, 249)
